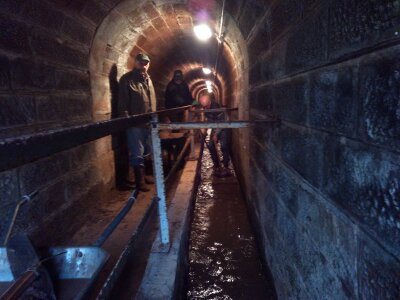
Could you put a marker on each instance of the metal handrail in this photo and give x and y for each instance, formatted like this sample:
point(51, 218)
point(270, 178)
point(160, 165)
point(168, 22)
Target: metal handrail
point(21, 150)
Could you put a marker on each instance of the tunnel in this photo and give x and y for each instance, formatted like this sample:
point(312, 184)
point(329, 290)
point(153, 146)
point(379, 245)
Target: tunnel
point(318, 168)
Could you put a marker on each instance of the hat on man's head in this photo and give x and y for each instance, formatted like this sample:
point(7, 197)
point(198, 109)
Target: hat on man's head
point(178, 75)
point(142, 57)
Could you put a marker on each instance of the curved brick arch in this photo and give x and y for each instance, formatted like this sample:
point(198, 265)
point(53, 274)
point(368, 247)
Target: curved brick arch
point(164, 31)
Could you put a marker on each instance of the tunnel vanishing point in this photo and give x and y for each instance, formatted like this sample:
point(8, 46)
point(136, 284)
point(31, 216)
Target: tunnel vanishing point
point(322, 186)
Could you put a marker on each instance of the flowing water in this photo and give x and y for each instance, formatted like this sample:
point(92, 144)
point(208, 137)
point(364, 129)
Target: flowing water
point(224, 262)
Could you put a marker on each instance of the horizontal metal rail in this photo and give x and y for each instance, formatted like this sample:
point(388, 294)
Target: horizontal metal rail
point(24, 149)
point(202, 125)
point(213, 110)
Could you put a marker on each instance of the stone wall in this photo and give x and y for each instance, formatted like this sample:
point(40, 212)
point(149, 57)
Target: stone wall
point(323, 185)
point(44, 83)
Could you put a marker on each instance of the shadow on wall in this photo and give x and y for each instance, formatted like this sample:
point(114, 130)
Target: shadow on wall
point(119, 146)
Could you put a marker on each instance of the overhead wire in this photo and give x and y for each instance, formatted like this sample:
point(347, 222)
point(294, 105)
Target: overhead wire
point(220, 40)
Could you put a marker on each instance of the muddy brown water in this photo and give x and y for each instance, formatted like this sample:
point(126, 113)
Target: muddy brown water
point(224, 262)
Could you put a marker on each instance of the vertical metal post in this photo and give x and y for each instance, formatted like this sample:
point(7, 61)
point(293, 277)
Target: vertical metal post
point(159, 176)
point(192, 152)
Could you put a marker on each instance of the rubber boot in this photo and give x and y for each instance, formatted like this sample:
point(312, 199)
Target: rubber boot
point(139, 179)
point(148, 170)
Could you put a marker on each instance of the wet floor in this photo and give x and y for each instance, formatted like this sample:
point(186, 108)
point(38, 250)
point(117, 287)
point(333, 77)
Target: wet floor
point(224, 262)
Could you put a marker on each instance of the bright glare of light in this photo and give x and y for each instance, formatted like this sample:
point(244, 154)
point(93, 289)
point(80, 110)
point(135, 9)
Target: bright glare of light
point(209, 89)
point(208, 83)
point(207, 71)
point(202, 31)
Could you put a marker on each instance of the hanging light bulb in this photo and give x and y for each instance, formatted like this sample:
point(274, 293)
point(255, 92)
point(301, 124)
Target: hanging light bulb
point(207, 71)
point(209, 89)
point(202, 31)
point(208, 83)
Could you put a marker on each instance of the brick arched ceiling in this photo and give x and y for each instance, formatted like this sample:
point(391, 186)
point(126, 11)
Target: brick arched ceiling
point(165, 32)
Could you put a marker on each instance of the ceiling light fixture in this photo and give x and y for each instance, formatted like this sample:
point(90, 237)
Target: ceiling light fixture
point(207, 71)
point(208, 83)
point(202, 31)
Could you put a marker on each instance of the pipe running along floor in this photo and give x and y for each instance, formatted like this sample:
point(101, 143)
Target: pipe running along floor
point(224, 262)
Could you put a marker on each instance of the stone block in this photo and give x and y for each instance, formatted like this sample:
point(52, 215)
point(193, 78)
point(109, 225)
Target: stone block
point(16, 110)
point(356, 24)
point(42, 172)
point(369, 187)
point(82, 155)
point(151, 11)
point(110, 3)
point(42, 14)
point(234, 8)
point(379, 272)
point(250, 13)
point(6, 213)
point(81, 181)
point(260, 42)
point(14, 36)
point(320, 247)
point(54, 49)
point(48, 202)
point(284, 14)
point(262, 100)
point(9, 192)
point(269, 67)
point(72, 80)
point(303, 151)
point(333, 100)
point(307, 46)
point(68, 5)
point(77, 31)
point(4, 73)
point(49, 109)
point(95, 11)
point(112, 53)
point(291, 99)
point(26, 75)
point(379, 98)
point(136, 17)
point(63, 108)
point(12, 7)
point(333, 241)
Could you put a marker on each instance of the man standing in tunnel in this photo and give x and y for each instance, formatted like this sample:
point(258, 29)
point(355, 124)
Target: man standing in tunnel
point(223, 136)
point(136, 95)
point(177, 94)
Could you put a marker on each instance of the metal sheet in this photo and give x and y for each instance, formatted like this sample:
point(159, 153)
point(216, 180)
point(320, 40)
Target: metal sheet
point(78, 262)
point(5, 267)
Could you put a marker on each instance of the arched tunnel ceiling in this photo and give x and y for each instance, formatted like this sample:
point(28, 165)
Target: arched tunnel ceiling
point(165, 32)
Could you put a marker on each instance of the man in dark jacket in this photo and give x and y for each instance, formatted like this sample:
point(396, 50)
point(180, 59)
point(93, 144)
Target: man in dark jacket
point(136, 95)
point(223, 136)
point(177, 94)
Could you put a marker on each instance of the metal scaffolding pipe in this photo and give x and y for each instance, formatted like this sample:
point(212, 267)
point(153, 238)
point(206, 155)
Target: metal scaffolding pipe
point(213, 110)
point(202, 125)
point(25, 198)
point(160, 185)
point(178, 159)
